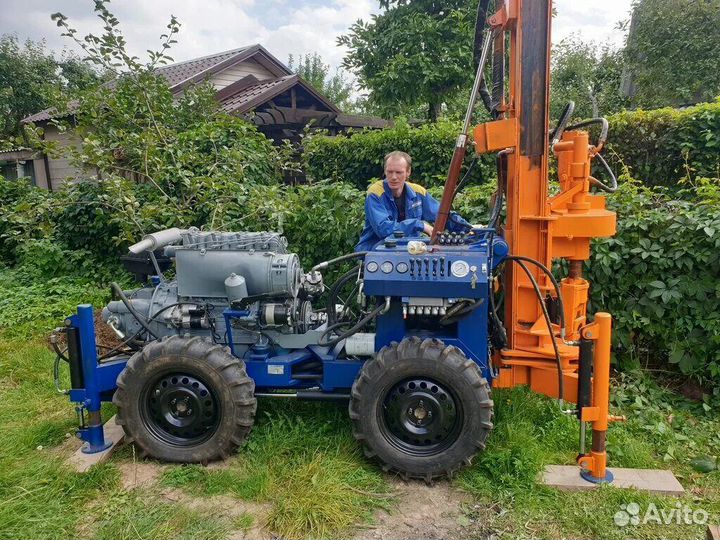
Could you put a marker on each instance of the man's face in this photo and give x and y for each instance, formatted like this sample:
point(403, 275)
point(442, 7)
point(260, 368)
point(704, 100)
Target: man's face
point(397, 172)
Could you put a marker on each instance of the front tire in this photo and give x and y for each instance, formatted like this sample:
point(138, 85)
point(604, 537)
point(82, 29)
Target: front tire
point(421, 408)
point(185, 399)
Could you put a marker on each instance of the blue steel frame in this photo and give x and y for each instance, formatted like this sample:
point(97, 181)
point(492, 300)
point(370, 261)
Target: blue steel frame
point(274, 368)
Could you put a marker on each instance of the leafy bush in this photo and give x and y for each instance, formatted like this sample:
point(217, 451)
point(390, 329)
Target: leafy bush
point(666, 145)
point(358, 158)
point(660, 278)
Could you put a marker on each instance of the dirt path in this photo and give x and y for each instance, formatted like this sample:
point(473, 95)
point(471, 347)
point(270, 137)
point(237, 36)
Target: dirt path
point(421, 512)
point(426, 513)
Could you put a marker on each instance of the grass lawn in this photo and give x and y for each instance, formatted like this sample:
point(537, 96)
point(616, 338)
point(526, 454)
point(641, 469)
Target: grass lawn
point(301, 474)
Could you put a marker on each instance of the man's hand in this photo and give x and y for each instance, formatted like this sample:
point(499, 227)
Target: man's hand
point(427, 229)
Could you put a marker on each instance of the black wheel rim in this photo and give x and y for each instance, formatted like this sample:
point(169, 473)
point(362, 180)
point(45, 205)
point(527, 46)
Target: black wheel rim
point(420, 416)
point(180, 409)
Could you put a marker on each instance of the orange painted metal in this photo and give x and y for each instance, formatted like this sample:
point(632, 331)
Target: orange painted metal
point(600, 331)
point(539, 226)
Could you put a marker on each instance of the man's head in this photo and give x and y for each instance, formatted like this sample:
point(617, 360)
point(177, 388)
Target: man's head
point(397, 171)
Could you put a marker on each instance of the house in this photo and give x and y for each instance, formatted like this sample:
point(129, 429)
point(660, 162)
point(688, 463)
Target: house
point(250, 82)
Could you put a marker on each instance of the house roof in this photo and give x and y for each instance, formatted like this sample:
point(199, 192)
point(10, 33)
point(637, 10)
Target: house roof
point(245, 94)
point(182, 74)
point(251, 96)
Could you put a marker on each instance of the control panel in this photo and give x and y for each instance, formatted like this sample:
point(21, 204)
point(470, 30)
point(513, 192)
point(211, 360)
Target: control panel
point(440, 273)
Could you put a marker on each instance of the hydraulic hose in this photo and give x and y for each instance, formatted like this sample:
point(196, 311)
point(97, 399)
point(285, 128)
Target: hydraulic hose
point(597, 183)
point(355, 329)
point(342, 258)
point(557, 133)
point(479, 43)
point(117, 290)
point(605, 127)
point(546, 315)
point(554, 282)
point(335, 291)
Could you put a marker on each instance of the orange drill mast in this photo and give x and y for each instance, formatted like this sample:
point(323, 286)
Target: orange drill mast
point(540, 228)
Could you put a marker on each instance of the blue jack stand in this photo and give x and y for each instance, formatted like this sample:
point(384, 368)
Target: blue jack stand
point(89, 378)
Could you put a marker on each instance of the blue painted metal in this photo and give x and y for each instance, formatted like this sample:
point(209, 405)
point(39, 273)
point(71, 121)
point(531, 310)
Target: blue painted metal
point(427, 276)
point(587, 475)
point(92, 434)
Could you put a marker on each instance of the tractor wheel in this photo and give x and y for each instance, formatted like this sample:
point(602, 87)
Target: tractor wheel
point(423, 409)
point(185, 399)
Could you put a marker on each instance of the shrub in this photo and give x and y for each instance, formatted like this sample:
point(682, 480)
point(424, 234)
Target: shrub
point(358, 158)
point(664, 146)
point(659, 278)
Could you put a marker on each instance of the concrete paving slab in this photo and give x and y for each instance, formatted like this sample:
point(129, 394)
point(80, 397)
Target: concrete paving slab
point(567, 477)
point(113, 433)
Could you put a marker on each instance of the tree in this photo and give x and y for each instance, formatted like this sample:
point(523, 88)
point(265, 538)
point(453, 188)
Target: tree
point(413, 54)
point(30, 76)
point(673, 52)
point(336, 87)
point(588, 75)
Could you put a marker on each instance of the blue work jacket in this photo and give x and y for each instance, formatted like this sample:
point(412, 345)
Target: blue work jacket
point(381, 214)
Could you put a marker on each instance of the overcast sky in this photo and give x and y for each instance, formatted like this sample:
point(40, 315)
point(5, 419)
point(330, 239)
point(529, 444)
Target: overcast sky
point(283, 27)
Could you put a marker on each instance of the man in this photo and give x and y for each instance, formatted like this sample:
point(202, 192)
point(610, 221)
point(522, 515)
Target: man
point(394, 204)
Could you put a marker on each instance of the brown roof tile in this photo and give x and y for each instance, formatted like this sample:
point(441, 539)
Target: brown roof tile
point(241, 101)
point(177, 73)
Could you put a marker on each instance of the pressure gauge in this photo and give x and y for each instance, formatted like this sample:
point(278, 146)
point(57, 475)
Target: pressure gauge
point(372, 266)
point(460, 269)
point(402, 267)
point(387, 267)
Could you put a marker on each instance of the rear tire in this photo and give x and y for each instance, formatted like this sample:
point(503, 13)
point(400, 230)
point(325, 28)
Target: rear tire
point(185, 399)
point(421, 408)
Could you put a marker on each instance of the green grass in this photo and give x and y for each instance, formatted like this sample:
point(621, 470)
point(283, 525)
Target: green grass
point(531, 433)
point(302, 459)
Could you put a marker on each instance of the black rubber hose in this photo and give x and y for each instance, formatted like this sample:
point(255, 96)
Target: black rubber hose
point(603, 131)
point(599, 184)
point(461, 313)
point(354, 330)
point(480, 36)
point(557, 133)
point(151, 319)
point(549, 274)
point(466, 176)
point(117, 290)
point(345, 257)
point(335, 291)
point(558, 361)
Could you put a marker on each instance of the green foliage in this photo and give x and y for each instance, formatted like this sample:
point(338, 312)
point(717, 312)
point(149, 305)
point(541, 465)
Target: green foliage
point(659, 278)
point(358, 158)
point(135, 128)
point(413, 53)
point(588, 75)
point(316, 72)
point(673, 52)
point(26, 213)
point(664, 146)
point(29, 78)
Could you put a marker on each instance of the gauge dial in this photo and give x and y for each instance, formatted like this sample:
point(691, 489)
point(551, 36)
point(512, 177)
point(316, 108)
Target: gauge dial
point(402, 267)
point(387, 267)
point(372, 266)
point(460, 269)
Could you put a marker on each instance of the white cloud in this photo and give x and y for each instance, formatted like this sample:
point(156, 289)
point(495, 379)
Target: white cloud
point(591, 20)
point(283, 27)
